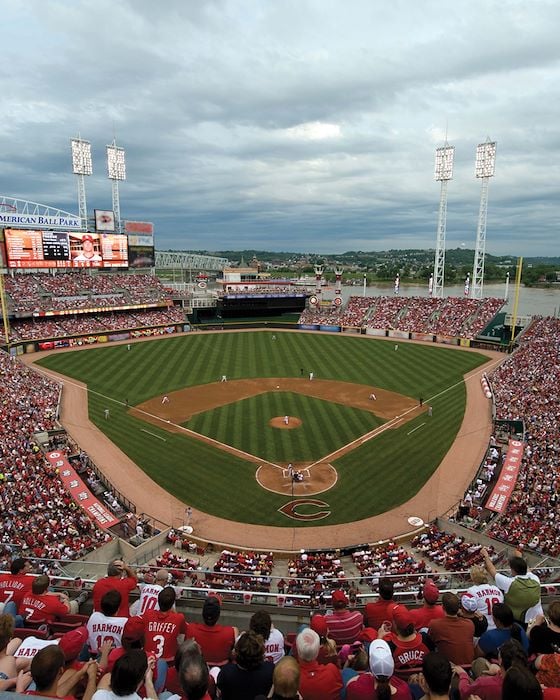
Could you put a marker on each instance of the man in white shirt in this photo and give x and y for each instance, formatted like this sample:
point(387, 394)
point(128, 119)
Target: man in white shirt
point(149, 592)
point(522, 590)
point(104, 625)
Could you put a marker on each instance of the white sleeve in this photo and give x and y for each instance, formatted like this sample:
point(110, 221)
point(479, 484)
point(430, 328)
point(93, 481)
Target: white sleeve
point(503, 582)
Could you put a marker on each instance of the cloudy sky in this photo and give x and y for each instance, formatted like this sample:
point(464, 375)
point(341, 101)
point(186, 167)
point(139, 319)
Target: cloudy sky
point(302, 125)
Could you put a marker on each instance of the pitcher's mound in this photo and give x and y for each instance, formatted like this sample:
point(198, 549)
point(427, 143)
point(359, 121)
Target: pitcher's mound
point(316, 479)
point(280, 422)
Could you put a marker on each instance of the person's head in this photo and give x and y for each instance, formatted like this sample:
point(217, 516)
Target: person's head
point(87, 246)
point(133, 633)
point(553, 613)
point(47, 667)
point(386, 588)
point(339, 599)
point(261, 623)
point(6, 630)
point(40, 584)
point(437, 673)
point(128, 672)
point(162, 577)
point(20, 566)
point(381, 665)
point(450, 603)
point(166, 599)
point(307, 644)
point(193, 670)
point(319, 624)
point(72, 642)
point(503, 615)
point(479, 575)
point(211, 611)
point(115, 568)
point(110, 602)
point(249, 651)
point(519, 682)
point(512, 652)
point(469, 604)
point(359, 659)
point(286, 678)
point(430, 592)
point(403, 621)
point(518, 566)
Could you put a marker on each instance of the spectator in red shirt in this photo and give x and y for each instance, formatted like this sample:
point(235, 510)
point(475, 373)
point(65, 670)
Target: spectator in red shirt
point(120, 577)
point(164, 628)
point(376, 613)
point(39, 606)
point(15, 585)
point(344, 625)
point(317, 681)
point(430, 610)
point(216, 641)
point(408, 646)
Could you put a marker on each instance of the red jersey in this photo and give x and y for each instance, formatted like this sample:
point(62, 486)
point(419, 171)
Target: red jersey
point(376, 613)
point(407, 654)
point(216, 642)
point(424, 615)
point(42, 607)
point(14, 586)
point(319, 682)
point(161, 630)
point(110, 583)
point(344, 626)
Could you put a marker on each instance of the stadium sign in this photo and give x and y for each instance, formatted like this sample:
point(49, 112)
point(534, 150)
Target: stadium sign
point(39, 220)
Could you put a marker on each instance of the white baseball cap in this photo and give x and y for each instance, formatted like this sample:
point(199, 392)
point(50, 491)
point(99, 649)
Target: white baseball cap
point(380, 659)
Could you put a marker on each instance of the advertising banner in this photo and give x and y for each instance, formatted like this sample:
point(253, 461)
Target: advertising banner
point(422, 336)
point(446, 339)
point(501, 493)
point(399, 334)
point(376, 331)
point(139, 227)
point(140, 240)
point(105, 220)
point(80, 492)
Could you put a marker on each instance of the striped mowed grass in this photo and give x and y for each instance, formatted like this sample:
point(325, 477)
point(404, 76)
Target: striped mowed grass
point(372, 479)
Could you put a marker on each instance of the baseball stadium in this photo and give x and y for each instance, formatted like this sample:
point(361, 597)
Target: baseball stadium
point(267, 444)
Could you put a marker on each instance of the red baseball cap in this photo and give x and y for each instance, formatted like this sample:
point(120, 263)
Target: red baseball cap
point(319, 625)
point(402, 617)
point(134, 629)
point(339, 596)
point(72, 642)
point(430, 591)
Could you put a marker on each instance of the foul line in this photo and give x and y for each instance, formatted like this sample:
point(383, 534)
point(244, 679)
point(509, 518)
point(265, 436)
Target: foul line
point(153, 434)
point(413, 429)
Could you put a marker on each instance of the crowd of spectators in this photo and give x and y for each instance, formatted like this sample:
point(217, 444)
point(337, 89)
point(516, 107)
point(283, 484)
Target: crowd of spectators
point(42, 328)
point(448, 550)
point(453, 316)
point(480, 639)
point(38, 514)
point(525, 388)
point(40, 292)
point(390, 559)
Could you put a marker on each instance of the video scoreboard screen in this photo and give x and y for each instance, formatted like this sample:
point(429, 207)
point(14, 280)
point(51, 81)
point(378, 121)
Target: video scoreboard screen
point(47, 249)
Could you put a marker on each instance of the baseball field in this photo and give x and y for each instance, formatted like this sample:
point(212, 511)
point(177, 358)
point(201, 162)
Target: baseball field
point(225, 447)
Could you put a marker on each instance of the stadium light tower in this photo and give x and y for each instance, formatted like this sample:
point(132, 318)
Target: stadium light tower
point(116, 170)
point(443, 173)
point(81, 166)
point(484, 170)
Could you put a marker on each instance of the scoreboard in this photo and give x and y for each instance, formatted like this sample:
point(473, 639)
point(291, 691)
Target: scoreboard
point(57, 249)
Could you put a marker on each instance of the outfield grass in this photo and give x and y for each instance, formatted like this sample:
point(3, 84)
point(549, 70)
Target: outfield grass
point(372, 479)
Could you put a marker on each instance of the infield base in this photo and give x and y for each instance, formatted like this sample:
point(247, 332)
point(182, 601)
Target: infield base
point(318, 478)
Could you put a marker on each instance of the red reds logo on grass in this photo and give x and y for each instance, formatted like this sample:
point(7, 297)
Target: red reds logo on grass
point(291, 509)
